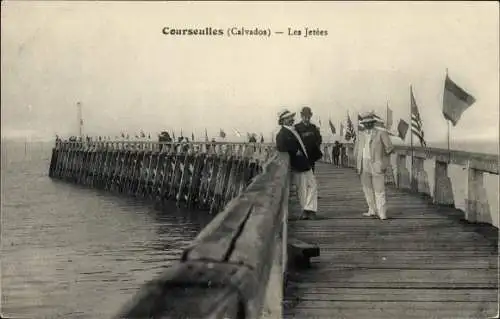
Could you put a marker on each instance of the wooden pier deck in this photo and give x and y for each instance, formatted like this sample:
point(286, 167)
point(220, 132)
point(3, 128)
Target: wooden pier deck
point(423, 262)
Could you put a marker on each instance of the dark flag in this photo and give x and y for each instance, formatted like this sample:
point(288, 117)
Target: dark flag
point(350, 133)
point(206, 136)
point(192, 137)
point(402, 129)
point(455, 101)
point(416, 121)
point(222, 133)
point(142, 134)
point(261, 138)
point(332, 127)
point(123, 135)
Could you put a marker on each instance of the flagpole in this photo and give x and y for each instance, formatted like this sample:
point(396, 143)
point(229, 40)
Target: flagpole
point(411, 140)
point(448, 131)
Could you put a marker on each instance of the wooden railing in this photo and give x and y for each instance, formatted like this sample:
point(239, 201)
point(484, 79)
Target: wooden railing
point(477, 208)
point(235, 267)
point(201, 175)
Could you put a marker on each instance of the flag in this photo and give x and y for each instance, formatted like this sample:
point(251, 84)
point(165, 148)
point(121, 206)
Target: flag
point(222, 133)
point(206, 136)
point(192, 137)
point(173, 136)
point(142, 133)
point(261, 138)
point(416, 121)
point(455, 101)
point(350, 133)
point(123, 134)
point(388, 120)
point(360, 126)
point(332, 128)
point(402, 129)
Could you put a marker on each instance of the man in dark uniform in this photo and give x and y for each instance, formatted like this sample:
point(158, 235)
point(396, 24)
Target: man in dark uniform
point(336, 153)
point(288, 140)
point(310, 136)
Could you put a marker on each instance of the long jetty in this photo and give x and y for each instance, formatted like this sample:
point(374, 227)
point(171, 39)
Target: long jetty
point(256, 259)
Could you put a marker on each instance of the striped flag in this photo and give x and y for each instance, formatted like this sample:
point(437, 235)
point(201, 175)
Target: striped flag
point(455, 101)
point(416, 121)
point(402, 129)
point(350, 133)
point(332, 127)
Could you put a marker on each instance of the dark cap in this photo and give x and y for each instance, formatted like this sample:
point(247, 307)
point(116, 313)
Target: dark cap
point(306, 111)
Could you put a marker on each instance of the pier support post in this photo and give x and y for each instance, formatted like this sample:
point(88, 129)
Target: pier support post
point(421, 179)
point(477, 208)
point(443, 191)
point(403, 176)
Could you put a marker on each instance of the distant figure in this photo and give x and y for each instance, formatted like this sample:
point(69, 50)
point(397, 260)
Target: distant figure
point(310, 136)
point(343, 155)
point(289, 140)
point(372, 153)
point(336, 153)
point(164, 137)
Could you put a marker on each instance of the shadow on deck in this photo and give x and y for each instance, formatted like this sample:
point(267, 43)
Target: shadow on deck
point(423, 262)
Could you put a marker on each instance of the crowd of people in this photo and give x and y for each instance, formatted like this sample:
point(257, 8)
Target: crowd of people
point(302, 142)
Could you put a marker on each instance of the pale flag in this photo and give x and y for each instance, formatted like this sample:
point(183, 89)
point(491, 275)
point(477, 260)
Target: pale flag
point(237, 132)
point(388, 120)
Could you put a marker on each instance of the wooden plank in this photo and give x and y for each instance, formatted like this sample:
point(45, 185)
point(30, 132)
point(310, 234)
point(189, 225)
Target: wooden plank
point(396, 310)
point(384, 294)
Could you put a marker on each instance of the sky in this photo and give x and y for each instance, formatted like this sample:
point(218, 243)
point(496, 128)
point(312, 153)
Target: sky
point(114, 59)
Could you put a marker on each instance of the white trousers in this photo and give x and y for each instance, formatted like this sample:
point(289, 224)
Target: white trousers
point(374, 189)
point(307, 189)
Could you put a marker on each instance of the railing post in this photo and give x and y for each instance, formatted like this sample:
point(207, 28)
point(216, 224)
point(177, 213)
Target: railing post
point(403, 176)
point(421, 180)
point(443, 191)
point(477, 208)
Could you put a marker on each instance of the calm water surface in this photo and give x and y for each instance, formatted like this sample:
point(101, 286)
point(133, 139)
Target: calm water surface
point(71, 252)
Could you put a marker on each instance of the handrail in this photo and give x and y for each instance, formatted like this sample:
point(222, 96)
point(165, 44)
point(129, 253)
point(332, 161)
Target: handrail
point(224, 273)
point(485, 162)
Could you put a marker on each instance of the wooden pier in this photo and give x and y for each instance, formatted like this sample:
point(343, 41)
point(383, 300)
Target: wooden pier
point(428, 260)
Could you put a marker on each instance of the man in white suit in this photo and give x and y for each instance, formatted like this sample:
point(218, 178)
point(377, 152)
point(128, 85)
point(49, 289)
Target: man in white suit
point(372, 153)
